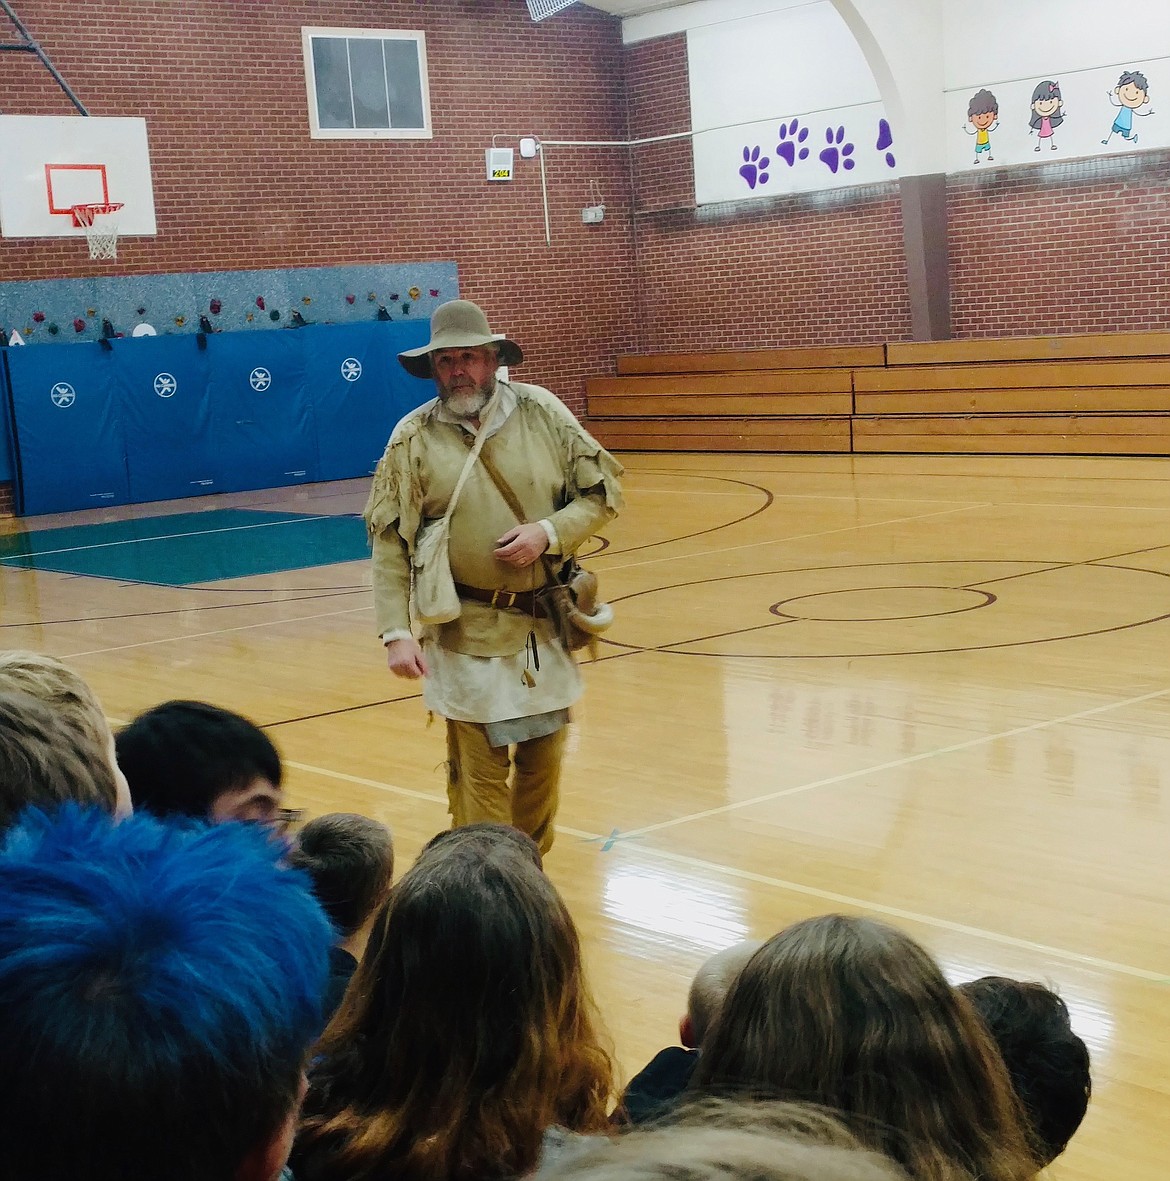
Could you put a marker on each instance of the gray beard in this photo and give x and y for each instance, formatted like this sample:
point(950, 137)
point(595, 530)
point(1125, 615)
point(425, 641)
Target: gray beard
point(468, 404)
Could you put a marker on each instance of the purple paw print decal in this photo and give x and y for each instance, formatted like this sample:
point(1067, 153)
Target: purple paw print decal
point(837, 154)
point(792, 137)
point(754, 168)
point(885, 141)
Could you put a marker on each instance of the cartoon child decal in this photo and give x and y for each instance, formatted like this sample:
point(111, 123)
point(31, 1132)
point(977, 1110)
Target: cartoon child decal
point(1129, 95)
point(1047, 113)
point(982, 120)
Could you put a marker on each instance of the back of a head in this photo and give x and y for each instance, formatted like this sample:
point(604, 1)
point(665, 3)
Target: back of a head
point(475, 1025)
point(65, 692)
point(855, 1015)
point(486, 834)
point(350, 859)
point(710, 986)
point(1048, 1063)
point(159, 987)
point(44, 763)
point(734, 1142)
point(178, 757)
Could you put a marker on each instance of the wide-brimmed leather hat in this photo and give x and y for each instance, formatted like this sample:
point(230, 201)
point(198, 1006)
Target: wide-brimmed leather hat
point(458, 324)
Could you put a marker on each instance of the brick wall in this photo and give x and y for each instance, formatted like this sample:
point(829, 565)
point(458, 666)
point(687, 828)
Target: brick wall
point(822, 269)
point(239, 183)
point(1061, 248)
point(658, 103)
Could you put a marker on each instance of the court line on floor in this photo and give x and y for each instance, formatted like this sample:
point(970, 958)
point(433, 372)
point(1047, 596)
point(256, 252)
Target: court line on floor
point(10, 559)
point(730, 549)
point(832, 896)
point(377, 784)
point(910, 916)
point(892, 764)
point(222, 631)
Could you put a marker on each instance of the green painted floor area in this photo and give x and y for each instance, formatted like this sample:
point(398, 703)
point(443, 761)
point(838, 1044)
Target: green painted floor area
point(190, 547)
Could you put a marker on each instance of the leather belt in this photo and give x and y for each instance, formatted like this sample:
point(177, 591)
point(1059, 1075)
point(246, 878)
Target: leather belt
point(525, 601)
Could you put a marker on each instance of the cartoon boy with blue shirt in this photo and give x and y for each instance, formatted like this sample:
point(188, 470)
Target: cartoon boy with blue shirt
point(1129, 95)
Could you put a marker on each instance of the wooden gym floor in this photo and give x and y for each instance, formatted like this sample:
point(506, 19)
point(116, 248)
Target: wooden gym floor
point(931, 689)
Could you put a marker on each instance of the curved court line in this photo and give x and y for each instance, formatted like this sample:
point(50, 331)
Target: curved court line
point(748, 875)
point(769, 499)
point(893, 764)
point(730, 549)
point(676, 647)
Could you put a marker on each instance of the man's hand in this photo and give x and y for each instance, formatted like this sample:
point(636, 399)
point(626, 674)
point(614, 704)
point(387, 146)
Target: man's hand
point(522, 546)
point(405, 659)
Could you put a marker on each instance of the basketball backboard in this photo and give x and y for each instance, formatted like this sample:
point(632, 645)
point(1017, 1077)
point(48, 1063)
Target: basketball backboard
point(52, 163)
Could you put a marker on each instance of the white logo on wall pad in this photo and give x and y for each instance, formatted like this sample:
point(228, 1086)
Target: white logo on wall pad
point(165, 385)
point(260, 379)
point(63, 394)
point(351, 369)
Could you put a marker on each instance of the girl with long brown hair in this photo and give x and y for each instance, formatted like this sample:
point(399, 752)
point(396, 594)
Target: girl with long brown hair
point(853, 1014)
point(467, 1032)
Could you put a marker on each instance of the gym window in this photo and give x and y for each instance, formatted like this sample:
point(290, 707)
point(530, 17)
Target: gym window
point(367, 83)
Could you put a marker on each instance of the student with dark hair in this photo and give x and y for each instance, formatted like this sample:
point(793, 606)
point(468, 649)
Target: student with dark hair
point(1047, 1062)
point(189, 758)
point(854, 1015)
point(487, 834)
point(660, 1084)
point(44, 763)
point(350, 861)
point(467, 1035)
point(159, 988)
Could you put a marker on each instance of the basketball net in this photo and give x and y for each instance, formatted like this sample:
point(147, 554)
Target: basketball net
point(100, 226)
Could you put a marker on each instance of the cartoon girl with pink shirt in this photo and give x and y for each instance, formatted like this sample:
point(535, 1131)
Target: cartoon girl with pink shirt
point(1047, 113)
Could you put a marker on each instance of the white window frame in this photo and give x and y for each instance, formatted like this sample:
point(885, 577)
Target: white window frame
point(309, 34)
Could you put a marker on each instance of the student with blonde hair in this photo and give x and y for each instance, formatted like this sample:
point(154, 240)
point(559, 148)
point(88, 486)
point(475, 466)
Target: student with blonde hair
point(72, 702)
point(725, 1141)
point(663, 1080)
point(855, 1015)
point(43, 763)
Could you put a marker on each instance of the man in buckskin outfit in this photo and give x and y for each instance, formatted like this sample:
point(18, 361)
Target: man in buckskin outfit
point(498, 673)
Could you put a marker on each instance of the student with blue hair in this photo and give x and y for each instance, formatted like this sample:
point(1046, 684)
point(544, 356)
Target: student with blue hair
point(159, 989)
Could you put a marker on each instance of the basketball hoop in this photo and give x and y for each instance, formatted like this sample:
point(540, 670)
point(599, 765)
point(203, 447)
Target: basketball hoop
point(101, 228)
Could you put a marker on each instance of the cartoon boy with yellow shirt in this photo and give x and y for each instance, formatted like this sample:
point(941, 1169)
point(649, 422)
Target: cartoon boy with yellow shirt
point(982, 120)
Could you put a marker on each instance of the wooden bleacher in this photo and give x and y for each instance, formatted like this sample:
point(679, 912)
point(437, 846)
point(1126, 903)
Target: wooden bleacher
point(754, 400)
point(1106, 394)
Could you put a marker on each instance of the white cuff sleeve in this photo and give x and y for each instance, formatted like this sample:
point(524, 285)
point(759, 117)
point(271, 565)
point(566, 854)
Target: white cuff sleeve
point(400, 633)
point(554, 542)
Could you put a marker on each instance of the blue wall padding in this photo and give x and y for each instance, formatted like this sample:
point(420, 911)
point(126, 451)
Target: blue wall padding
point(7, 461)
point(170, 445)
point(267, 435)
point(355, 418)
point(156, 418)
point(72, 455)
